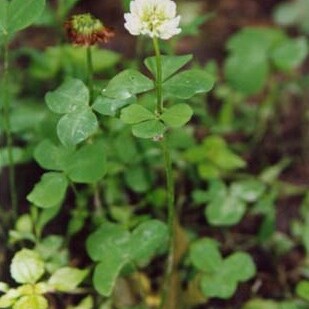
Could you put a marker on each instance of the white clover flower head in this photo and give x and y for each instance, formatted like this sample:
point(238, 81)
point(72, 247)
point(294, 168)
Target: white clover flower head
point(154, 18)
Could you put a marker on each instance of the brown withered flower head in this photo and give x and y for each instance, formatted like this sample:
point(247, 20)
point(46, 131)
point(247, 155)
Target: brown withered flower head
point(85, 30)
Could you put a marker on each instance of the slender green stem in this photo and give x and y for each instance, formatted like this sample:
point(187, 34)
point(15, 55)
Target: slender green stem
point(170, 186)
point(171, 213)
point(90, 71)
point(159, 76)
point(7, 128)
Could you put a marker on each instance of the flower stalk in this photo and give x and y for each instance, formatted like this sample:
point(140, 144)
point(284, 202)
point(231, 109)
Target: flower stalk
point(170, 186)
point(89, 71)
point(159, 75)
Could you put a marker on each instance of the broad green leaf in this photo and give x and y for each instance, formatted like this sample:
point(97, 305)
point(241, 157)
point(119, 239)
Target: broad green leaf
point(50, 246)
point(47, 215)
point(188, 83)
point(50, 156)
point(149, 129)
point(49, 191)
point(295, 13)
point(170, 64)
point(136, 178)
point(106, 272)
point(6, 302)
point(88, 164)
point(302, 289)
point(224, 207)
point(217, 151)
point(21, 117)
point(239, 266)
point(287, 13)
point(27, 267)
point(247, 73)
point(16, 15)
point(67, 279)
point(225, 211)
point(135, 114)
point(109, 238)
point(71, 96)
point(128, 83)
point(208, 170)
point(251, 39)
point(24, 224)
point(218, 285)
point(177, 115)
point(247, 66)
point(31, 301)
point(108, 106)
point(205, 255)
point(76, 127)
point(290, 54)
point(249, 190)
point(148, 238)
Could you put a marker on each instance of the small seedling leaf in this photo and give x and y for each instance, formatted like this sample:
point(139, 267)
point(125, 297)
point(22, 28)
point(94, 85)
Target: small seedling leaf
point(66, 279)
point(27, 267)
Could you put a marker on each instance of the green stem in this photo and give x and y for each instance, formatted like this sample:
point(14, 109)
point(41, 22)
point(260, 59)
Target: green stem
point(90, 71)
point(159, 76)
point(7, 128)
point(170, 188)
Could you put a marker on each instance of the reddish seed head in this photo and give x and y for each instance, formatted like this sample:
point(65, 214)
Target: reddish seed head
point(85, 30)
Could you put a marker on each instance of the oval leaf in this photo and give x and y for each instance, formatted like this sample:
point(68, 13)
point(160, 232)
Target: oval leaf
point(149, 129)
point(69, 97)
point(148, 238)
point(128, 83)
point(27, 267)
point(135, 114)
point(106, 273)
point(88, 164)
point(49, 191)
point(205, 255)
point(22, 13)
point(177, 115)
point(50, 156)
point(188, 83)
point(170, 64)
point(31, 301)
point(109, 237)
point(67, 279)
point(76, 127)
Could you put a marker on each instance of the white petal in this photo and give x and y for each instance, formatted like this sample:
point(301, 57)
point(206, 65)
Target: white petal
point(133, 24)
point(169, 28)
